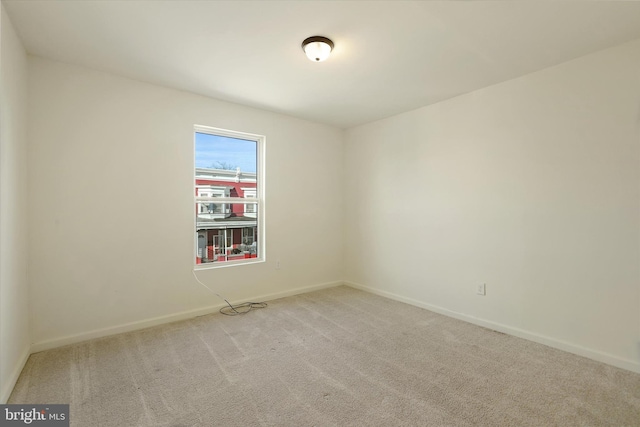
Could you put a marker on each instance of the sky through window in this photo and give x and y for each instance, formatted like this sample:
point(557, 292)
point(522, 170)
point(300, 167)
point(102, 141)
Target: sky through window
point(212, 151)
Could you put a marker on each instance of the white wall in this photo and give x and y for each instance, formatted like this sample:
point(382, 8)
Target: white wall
point(531, 186)
point(111, 204)
point(14, 311)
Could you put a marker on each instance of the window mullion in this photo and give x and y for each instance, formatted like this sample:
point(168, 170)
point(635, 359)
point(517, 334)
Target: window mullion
point(233, 200)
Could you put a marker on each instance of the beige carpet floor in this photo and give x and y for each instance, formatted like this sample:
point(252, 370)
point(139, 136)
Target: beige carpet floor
point(333, 357)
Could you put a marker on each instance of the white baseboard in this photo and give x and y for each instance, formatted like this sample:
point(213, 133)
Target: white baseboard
point(599, 356)
point(7, 388)
point(142, 324)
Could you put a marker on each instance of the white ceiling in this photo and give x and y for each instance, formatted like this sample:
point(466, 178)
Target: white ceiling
point(389, 56)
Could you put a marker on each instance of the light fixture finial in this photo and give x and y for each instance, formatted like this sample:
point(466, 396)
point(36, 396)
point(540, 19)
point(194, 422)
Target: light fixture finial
point(317, 48)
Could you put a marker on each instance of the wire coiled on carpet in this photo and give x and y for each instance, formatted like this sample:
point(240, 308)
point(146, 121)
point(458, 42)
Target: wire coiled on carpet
point(233, 310)
point(245, 307)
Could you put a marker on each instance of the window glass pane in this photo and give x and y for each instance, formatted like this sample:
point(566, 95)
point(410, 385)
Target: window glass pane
point(227, 244)
point(215, 152)
point(228, 236)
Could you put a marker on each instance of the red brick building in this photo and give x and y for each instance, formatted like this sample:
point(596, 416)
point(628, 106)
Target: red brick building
point(225, 231)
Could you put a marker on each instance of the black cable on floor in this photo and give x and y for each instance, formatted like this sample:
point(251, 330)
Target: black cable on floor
point(234, 310)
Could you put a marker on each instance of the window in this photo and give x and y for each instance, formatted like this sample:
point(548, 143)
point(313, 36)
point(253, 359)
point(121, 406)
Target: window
point(249, 209)
point(229, 197)
point(213, 209)
point(249, 236)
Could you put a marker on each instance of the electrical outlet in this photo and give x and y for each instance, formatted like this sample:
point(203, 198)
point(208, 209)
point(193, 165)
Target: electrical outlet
point(278, 265)
point(481, 290)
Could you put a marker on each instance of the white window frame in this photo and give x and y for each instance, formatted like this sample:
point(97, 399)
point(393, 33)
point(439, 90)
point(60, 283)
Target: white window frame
point(249, 209)
point(258, 201)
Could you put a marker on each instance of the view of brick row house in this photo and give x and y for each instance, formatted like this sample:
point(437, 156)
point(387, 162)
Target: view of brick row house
point(226, 231)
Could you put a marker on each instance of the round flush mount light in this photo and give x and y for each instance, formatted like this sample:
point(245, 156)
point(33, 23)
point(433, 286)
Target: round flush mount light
point(317, 48)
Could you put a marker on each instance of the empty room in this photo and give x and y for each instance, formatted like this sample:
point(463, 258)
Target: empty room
point(323, 213)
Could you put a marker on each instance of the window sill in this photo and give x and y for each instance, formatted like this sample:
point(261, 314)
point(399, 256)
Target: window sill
point(229, 263)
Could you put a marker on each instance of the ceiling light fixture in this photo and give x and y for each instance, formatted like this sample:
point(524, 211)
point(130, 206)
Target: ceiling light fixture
point(317, 48)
